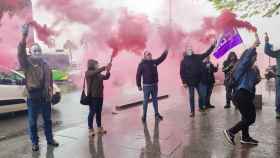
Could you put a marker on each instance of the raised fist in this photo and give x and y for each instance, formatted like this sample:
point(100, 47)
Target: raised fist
point(25, 30)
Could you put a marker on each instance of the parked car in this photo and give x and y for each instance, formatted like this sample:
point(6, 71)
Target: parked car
point(12, 91)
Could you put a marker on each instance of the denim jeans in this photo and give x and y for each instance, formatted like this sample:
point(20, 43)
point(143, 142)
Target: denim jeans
point(209, 93)
point(201, 90)
point(153, 91)
point(33, 111)
point(277, 95)
point(95, 108)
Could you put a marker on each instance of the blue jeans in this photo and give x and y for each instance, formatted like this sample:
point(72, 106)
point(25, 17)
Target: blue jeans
point(277, 95)
point(202, 91)
point(33, 111)
point(153, 91)
point(95, 108)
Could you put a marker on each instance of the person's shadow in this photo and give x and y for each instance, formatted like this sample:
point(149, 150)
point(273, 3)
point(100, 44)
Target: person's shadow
point(96, 152)
point(152, 148)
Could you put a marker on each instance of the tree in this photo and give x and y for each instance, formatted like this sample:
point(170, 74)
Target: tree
point(249, 8)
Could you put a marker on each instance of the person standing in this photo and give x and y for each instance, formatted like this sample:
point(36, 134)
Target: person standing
point(208, 79)
point(227, 68)
point(147, 69)
point(94, 80)
point(39, 86)
point(190, 72)
point(246, 76)
point(274, 54)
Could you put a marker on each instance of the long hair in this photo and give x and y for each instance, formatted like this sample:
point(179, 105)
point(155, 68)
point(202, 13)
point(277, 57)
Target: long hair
point(232, 54)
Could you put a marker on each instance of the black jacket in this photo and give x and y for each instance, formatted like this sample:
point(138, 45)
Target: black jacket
point(208, 71)
point(227, 67)
point(148, 70)
point(191, 67)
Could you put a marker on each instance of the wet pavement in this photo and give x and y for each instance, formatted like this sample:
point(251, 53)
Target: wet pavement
point(177, 136)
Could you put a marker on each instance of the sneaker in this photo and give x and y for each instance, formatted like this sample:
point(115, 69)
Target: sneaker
point(91, 132)
point(143, 119)
point(277, 115)
point(227, 106)
point(101, 130)
point(192, 114)
point(158, 117)
point(249, 140)
point(53, 143)
point(229, 137)
point(35, 147)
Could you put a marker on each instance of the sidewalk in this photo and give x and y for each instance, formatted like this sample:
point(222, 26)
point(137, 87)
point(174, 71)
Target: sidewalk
point(177, 136)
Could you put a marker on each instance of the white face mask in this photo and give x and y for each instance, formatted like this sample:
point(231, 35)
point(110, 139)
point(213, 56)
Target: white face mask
point(189, 53)
point(36, 50)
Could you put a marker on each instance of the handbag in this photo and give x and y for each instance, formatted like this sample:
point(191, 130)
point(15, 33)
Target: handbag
point(85, 100)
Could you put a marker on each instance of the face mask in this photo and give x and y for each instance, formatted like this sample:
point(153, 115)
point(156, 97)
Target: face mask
point(36, 50)
point(189, 53)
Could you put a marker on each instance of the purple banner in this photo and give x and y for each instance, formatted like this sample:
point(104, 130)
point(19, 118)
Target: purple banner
point(228, 40)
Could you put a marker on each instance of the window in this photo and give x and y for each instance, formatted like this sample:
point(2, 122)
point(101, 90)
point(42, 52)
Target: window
point(10, 78)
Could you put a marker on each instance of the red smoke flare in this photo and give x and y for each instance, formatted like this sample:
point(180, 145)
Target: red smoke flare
point(131, 34)
point(43, 32)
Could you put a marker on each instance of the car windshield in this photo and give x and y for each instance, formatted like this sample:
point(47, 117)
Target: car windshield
point(8, 77)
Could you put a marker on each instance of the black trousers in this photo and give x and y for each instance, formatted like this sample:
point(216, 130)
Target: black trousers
point(244, 101)
point(95, 108)
point(228, 94)
point(209, 93)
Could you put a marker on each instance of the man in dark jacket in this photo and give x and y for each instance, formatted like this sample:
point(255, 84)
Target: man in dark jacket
point(147, 70)
point(190, 71)
point(39, 85)
point(208, 79)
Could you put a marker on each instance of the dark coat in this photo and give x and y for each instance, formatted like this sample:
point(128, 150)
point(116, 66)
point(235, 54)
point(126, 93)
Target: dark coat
point(208, 71)
point(147, 70)
point(191, 67)
point(94, 80)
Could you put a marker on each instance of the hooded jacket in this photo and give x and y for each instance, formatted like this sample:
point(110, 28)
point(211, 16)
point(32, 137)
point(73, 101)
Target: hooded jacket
point(148, 70)
point(94, 80)
point(191, 67)
point(37, 73)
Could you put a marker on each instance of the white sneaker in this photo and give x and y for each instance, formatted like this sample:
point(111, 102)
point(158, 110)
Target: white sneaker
point(91, 132)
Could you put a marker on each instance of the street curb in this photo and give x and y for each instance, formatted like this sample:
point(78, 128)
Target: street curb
point(137, 103)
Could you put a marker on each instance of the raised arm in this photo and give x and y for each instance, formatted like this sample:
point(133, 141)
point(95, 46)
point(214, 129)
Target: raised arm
point(95, 72)
point(138, 76)
point(244, 63)
point(161, 58)
point(106, 76)
point(108, 69)
point(21, 50)
point(268, 49)
point(209, 51)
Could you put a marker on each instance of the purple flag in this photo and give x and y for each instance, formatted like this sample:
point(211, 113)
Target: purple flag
point(228, 40)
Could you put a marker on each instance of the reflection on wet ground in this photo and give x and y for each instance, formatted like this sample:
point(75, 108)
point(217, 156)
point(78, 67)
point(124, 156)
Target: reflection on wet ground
point(177, 136)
